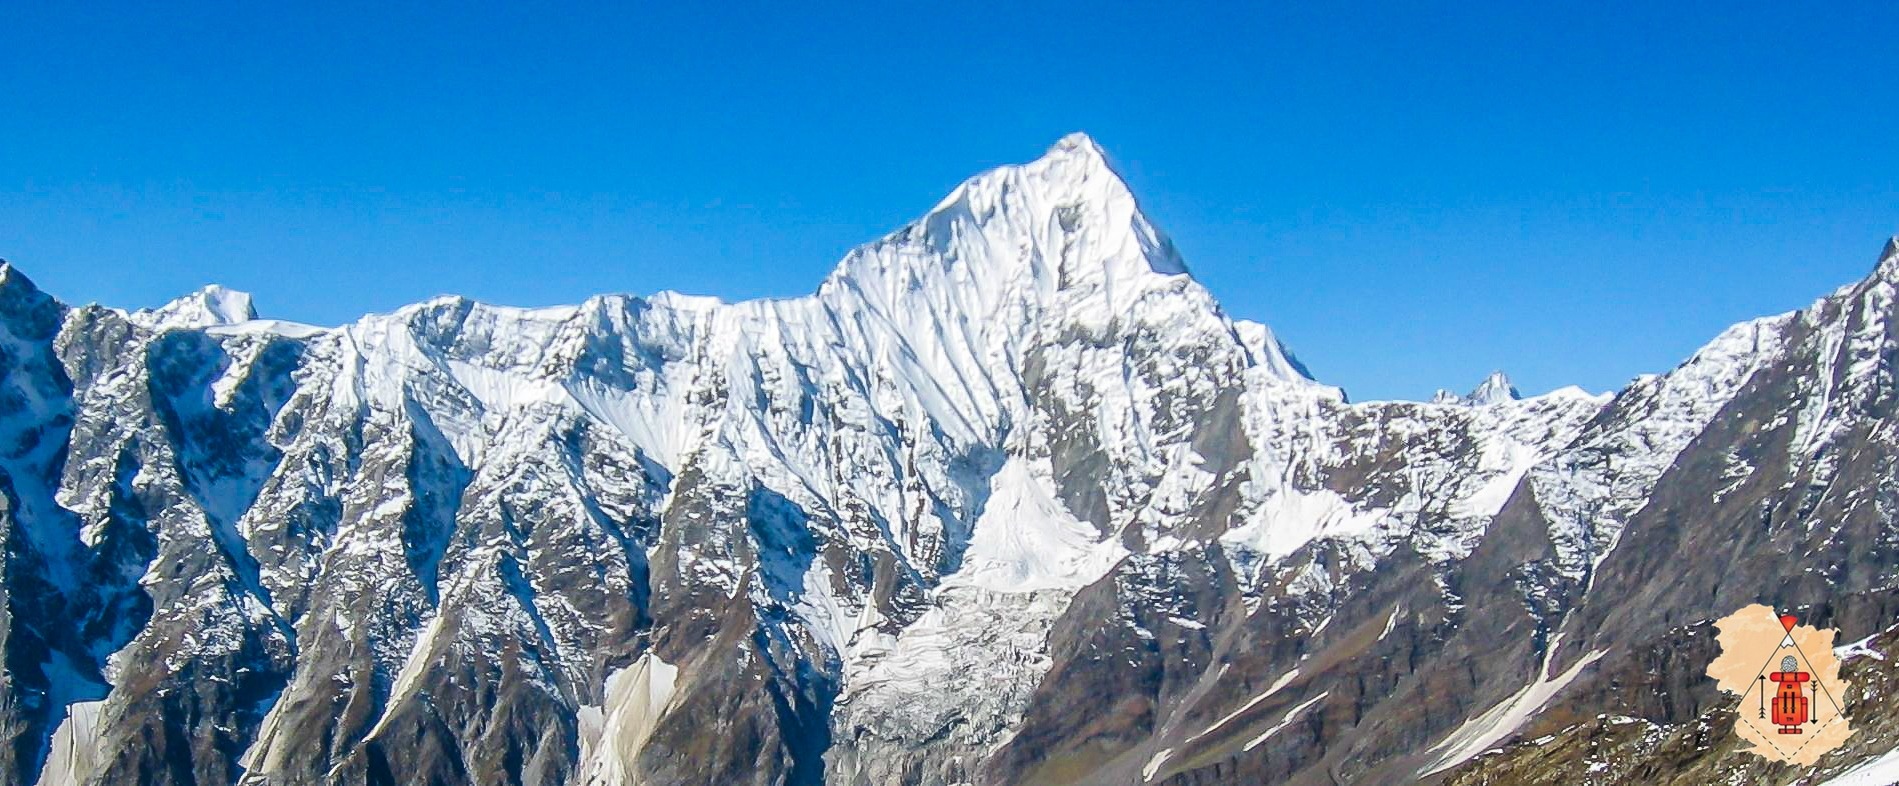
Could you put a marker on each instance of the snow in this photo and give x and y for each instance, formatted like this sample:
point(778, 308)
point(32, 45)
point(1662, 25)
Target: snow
point(1285, 721)
point(1283, 681)
point(1391, 622)
point(1510, 461)
point(656, 424)
point(267, 731)
point(211, 306)
point(1882, 770)
point(1859, 649)
point(1590, 489)
point(612, 735)
point(1458, 466)
point(1495, 389)
point(916, 687)
point(1026, 540)
point(833, 621)
point(1267, 352)
point(267, 327)
point(1294, 517)
point(420, 653)
point(498, 390)
point(82, 697)
point(226, 305)
point(1494, 725)
point(77, 750)
point(1154, 764)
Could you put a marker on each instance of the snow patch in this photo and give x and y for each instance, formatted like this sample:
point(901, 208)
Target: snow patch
point(613, 734)
point(1480, 733)
point(1026, 540)
point(268, 327)
point(1154, 764)
point(76, 751)
point(1859, 649)
point(412, 668)
point(1286, 720)
point(1881, 771)
point(1295, 517)
point(1283, 681)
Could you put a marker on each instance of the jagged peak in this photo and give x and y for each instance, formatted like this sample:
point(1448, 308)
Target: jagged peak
point(25, 310)
point(1076, 164)
point(1080, 144)
point(1889, 259)
point(228, 303)
point(1075, 169)
point(211, 306)
point(11, 276)
point(1495, 389)
point(1063, 221)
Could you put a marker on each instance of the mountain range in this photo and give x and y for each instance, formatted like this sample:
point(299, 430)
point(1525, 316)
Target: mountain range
point(1009, 499)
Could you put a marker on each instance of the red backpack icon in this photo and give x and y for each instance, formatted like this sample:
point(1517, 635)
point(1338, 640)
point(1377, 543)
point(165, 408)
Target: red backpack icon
point(1790, 702)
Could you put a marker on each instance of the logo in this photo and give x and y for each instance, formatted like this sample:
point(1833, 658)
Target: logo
point(1788, 680)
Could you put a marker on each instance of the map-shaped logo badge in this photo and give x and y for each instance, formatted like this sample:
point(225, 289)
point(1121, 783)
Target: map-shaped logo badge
point(1788, 680)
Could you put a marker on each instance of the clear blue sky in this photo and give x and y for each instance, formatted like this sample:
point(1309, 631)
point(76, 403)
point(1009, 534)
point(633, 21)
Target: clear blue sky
point(1572, 192)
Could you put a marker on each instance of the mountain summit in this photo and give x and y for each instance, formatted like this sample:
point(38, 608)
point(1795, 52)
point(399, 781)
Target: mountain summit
point(208, 307)
point(1495, 389)
point(1008, 500)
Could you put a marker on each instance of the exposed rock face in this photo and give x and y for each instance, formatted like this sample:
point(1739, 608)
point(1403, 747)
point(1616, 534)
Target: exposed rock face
point(1008, 500)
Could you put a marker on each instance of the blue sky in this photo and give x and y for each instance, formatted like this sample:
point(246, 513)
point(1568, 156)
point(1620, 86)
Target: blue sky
point(1412, 196)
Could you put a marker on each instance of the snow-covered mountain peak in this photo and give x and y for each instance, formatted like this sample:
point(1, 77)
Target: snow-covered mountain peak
point(1495, 389)
point(1058, 236)
point(1069, 194)
point(1077, 156)
point(1889, 259)
point(1078, 142)
point(211, 306)
point(11, 276)
point(1266, 351)
point(19, 291)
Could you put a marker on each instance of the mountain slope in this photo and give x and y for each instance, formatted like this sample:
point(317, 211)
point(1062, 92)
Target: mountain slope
point(1008, 461)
